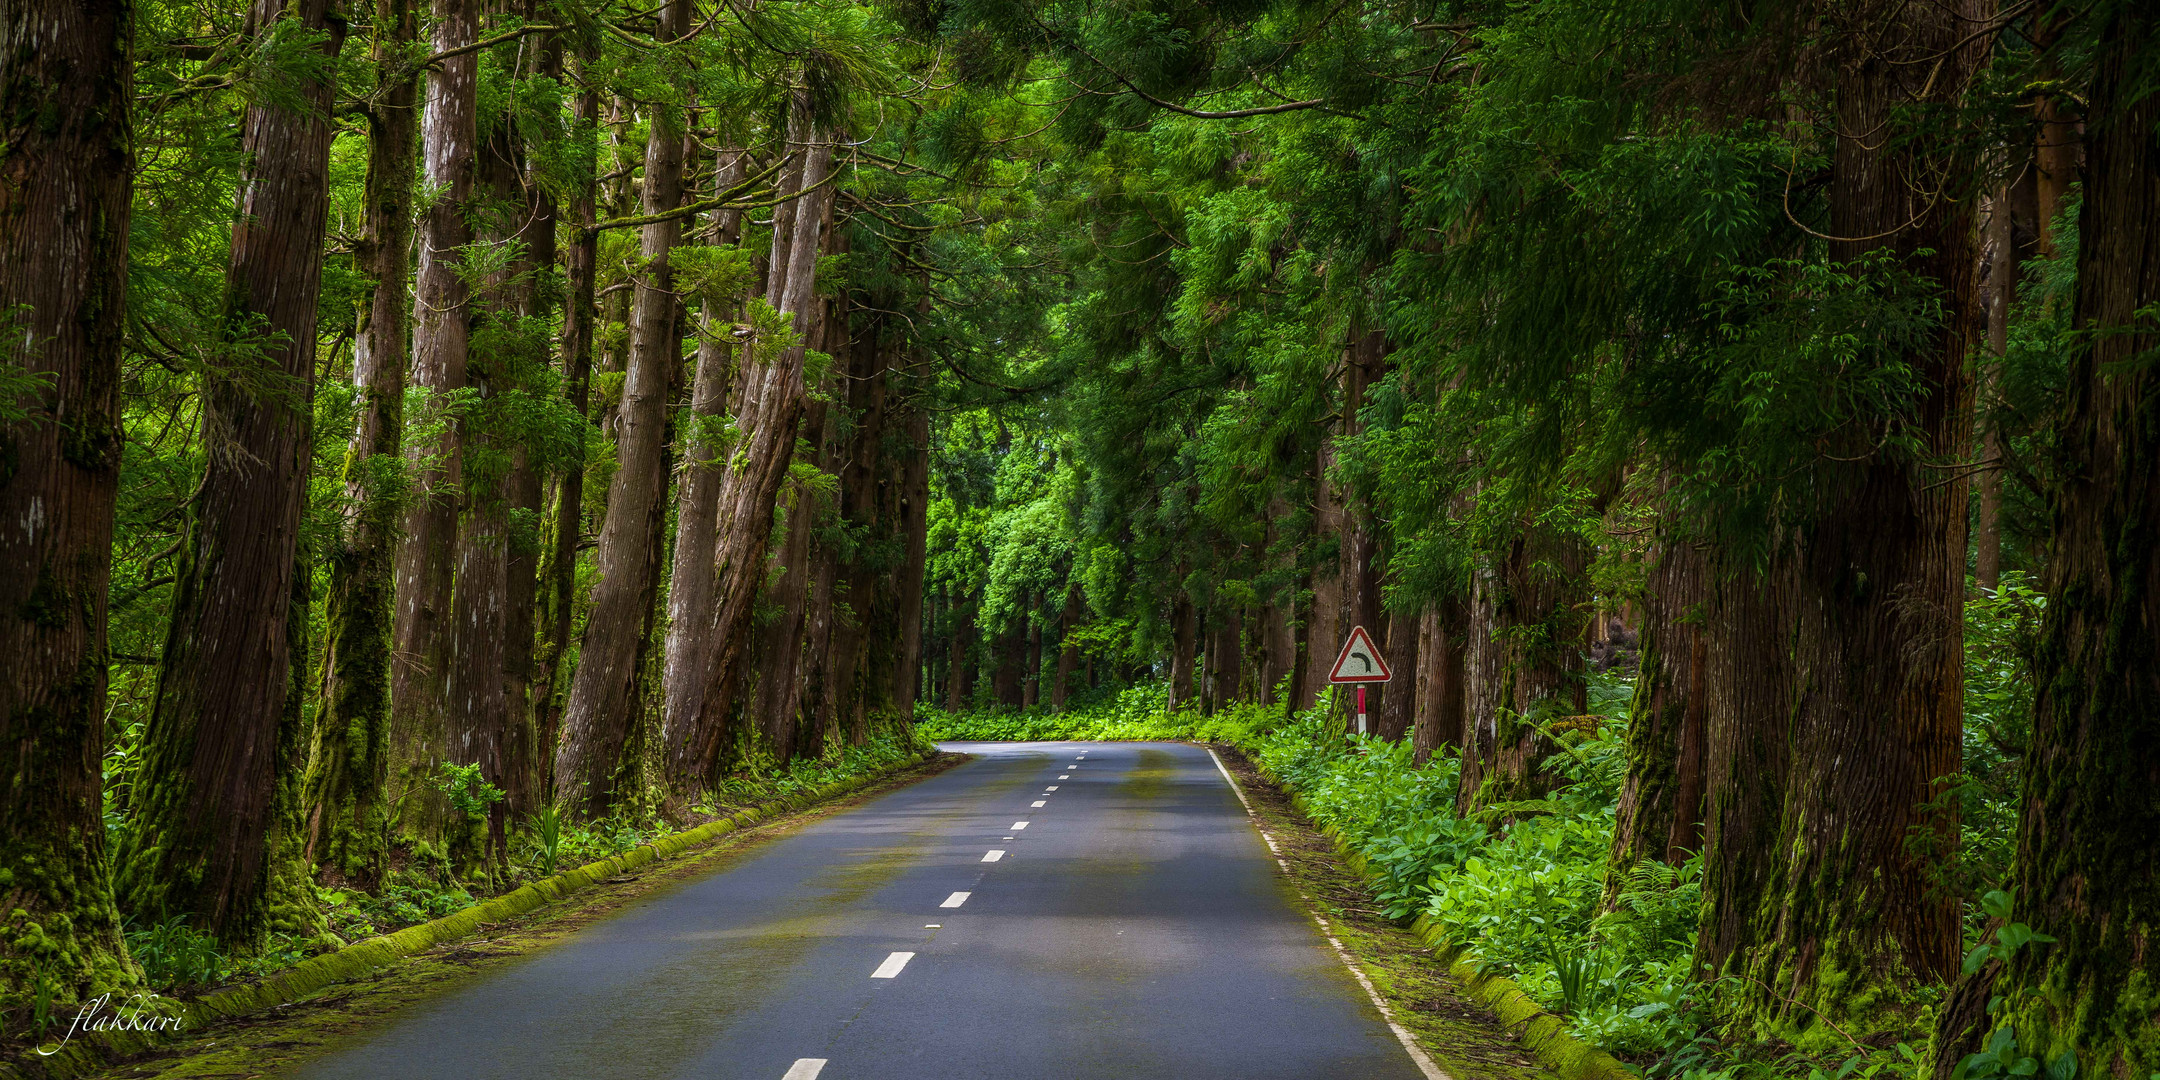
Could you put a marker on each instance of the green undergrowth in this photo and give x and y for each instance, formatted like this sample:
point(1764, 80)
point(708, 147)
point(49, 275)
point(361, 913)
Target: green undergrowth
point(1520, 884)
point(178, 960)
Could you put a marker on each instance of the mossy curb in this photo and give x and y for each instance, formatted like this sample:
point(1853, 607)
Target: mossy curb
point(88, 1053)
point(1543, 1034)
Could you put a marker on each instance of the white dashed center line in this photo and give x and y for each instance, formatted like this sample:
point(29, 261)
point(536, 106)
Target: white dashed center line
point(1019, 825)
point(1064, 776)
point(1052, 787)
point(993, 855)
point(956, 899)
point(933, 926)
point(892, 965)
point(805, 1069)
point(1039, 803)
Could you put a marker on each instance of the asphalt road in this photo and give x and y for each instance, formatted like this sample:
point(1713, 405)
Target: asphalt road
point(1136, 927)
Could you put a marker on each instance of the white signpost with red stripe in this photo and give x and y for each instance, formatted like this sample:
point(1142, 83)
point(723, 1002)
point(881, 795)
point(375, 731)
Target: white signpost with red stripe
point(1359, 663)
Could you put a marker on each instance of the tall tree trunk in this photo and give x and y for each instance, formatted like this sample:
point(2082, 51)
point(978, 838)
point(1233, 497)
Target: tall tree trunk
point(1031, 680)
point(1009, 654)
point(2084, 871)
point(691, 582)
point(349, 762)
point(216, 803)
point(915, 528)
point(1184, 635)
point(1879, 582)
point(535, 303)
point(66, 103)
point(1323, 627)
point(1440, 687)
point(1524, 665)
point(558, 596)
point(1746, 751)
point(1225, 664)
point(1068, 647)
point(1660, 807)
point(958, 693)
point(428, 549)
point(772, 404)
point(1398, 701)
point(598, 719)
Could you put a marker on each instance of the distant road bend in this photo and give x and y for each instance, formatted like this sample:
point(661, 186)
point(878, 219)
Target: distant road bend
point(1047, 910)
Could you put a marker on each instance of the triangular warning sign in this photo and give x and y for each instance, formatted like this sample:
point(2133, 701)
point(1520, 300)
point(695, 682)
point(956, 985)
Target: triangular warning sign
point(1360, 660)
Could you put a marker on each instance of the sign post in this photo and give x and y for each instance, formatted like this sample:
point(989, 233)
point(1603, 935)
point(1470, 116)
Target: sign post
point(1359, 663)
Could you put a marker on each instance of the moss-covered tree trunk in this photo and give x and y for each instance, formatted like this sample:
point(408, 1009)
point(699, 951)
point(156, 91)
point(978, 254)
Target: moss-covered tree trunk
point(428, 548)
point(772, 401)
point(66, 103)
point(2085, 871)
point(349, 762)
point(1746, 751)
point(692, 584)
point(558, 570)
point(1855, 919)
point(1522, 666)
point(599, 715)
point(217, 790)
point(1069, 620)
point(1661, 801)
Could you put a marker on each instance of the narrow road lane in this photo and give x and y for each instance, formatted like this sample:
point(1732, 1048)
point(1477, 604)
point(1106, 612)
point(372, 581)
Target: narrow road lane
point(1133, 927)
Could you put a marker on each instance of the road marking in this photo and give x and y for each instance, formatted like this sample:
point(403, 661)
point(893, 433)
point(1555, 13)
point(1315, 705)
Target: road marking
point(956, 899)
point(1409, 1044)
point(1039, 803)
point(933, 926)
point(892, 965)
point(993, 855)
point(1019, 825)
point(1064, 776)
point(1052, 787)
point(805, 1069)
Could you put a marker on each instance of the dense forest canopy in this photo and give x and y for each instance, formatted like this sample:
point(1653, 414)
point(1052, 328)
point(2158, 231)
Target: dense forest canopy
point(423, 420)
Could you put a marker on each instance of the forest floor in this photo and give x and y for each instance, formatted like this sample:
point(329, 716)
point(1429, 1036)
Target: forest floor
point(1462, 1037)
point(268, 1042)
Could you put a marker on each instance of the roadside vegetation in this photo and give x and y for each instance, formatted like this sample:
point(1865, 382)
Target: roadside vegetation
point(1531, 886)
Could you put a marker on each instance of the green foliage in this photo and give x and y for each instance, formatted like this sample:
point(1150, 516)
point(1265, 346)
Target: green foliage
point(468, 792)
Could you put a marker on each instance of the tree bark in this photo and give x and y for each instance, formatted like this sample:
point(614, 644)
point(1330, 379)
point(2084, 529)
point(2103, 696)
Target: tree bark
point(66, 103)
point(691, 582)
point(959, 693)
point(1398, 703)
point(349, 763)
point(1523, 666)
point(558, 597)
point(772, 404)
point(1878, 573)
point(1660, 812)
point(1068, 648)
point(1184, 635)
point(1440, 689)
point(428, 549)
point(216, 800)
point(2084, 871)
point(598, 718)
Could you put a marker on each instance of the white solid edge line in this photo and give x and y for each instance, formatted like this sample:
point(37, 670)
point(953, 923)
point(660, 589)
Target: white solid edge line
point(805, 1069)
point(1040, 803)
point(892, 965)
point(1409, 1045)
point(1019, 825)
point(993, 855)
point(956, 899)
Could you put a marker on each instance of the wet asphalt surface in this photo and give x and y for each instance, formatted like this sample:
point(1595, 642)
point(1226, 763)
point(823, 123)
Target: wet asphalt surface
point(1136, 927)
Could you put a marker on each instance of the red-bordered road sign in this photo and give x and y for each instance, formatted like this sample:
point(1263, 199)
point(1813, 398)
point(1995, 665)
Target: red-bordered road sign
point(1359, 661)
